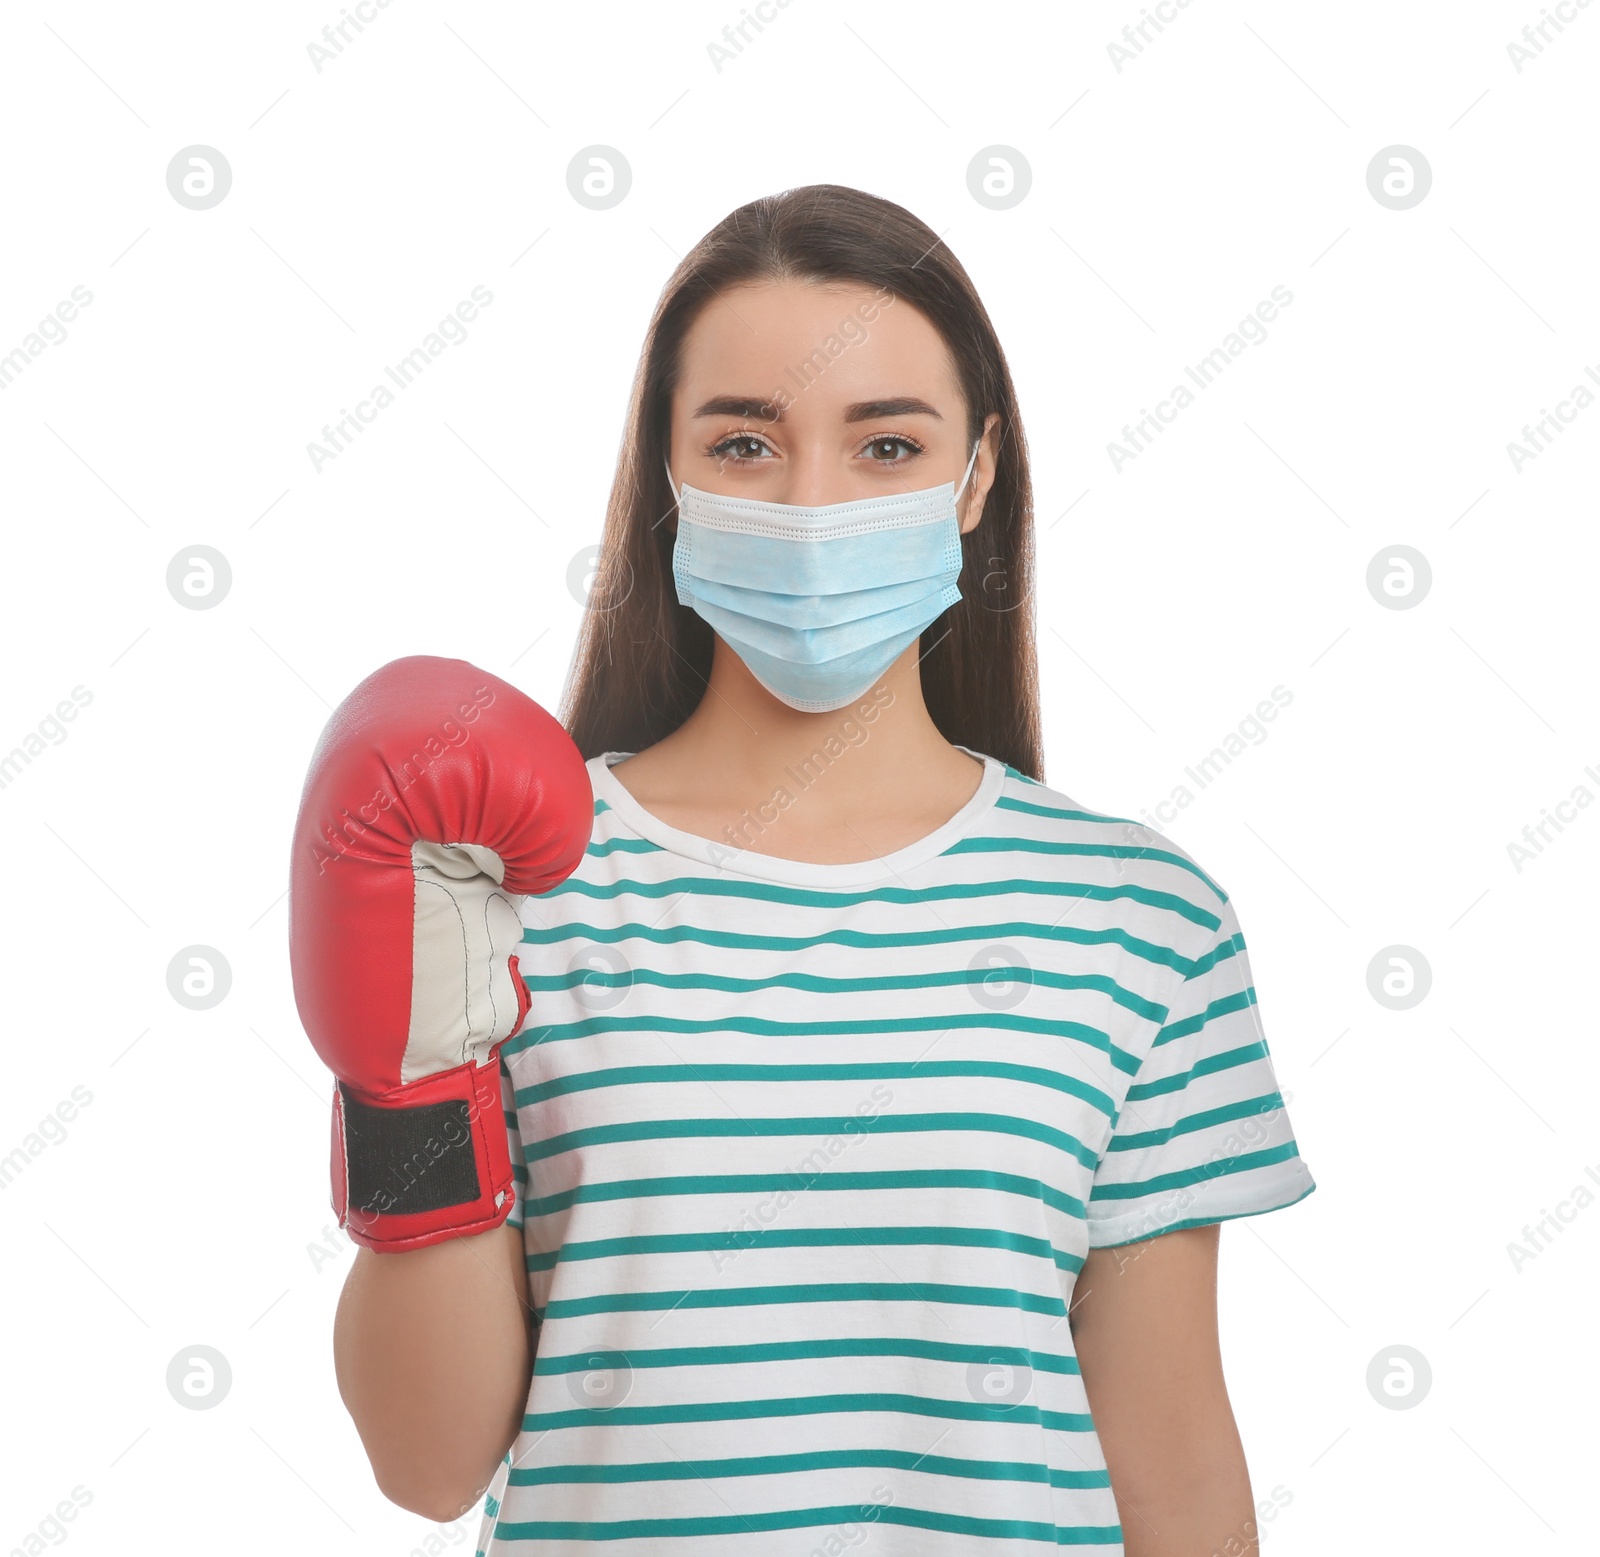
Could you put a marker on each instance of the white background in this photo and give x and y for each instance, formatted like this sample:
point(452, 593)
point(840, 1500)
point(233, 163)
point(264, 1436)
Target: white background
point(184, 1203)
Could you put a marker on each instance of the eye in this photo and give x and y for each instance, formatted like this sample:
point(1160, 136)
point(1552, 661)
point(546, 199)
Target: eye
point(890, 441)
point(736, 448)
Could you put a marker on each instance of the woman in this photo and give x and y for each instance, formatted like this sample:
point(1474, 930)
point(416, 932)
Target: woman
point(879, 1104)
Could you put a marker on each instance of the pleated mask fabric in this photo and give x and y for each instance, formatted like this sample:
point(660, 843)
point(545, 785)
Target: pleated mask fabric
point(819, 601)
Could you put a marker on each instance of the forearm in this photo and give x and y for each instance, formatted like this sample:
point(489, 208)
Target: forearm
point(1198, 1505)
point(433, 1358)
point(1144, 1327)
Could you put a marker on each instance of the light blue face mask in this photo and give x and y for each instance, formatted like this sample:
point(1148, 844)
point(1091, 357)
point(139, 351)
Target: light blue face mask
point(819, 602)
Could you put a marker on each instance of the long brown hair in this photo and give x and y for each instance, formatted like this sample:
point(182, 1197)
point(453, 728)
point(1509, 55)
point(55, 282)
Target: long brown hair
point(642, 660)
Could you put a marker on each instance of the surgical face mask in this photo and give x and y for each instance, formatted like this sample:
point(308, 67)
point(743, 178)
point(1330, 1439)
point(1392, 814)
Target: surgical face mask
point(819, 602)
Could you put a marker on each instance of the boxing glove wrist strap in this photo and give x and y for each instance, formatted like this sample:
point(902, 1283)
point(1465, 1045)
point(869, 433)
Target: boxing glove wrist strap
point(422, 1158)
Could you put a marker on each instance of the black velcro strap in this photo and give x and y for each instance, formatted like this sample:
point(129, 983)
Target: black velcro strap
point(404, 1160)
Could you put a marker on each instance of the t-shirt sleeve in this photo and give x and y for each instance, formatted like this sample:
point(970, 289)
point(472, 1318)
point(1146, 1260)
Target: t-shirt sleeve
point(1204, 1134)
point(519, 1165)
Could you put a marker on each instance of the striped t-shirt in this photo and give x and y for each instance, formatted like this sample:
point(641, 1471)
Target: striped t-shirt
point(809, 1157)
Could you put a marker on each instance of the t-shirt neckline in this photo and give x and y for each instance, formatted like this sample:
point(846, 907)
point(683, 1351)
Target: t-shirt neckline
point(727, 856)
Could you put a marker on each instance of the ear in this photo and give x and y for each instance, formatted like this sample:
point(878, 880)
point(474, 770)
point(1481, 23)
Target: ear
point(982, 478)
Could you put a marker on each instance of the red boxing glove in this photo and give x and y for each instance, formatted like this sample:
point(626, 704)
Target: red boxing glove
point(438, 797)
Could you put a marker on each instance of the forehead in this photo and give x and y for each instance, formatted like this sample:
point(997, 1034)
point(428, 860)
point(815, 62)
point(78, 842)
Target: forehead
point(839, 343)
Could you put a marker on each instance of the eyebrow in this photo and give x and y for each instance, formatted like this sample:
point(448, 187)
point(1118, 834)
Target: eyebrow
point(860, 411)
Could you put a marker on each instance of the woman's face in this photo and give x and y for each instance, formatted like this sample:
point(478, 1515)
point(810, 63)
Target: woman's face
point(796, 392)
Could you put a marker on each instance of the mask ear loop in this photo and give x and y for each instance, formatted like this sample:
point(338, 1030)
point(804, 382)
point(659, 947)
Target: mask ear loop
point(960, 489)
point(666, 465)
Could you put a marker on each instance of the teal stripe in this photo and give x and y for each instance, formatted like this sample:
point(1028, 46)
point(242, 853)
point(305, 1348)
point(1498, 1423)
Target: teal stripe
point(818, 984)
point(1111, 851)
point(756, 890)
point(1185, 1177)
point(1140, 1091)
point(771, 1183)
point(1061, 813)
point(799, 1519)
point(1223, 950)
point(519, 1171)
point(806, 1405)
point(735, 1240)
point(810, 1124)
point(821, 1459)
point(794, 1351)
point(1249, 1108)
point(583, 930)
point(1206, 1221)
point(869, 1070)
point(621, 845)
point(803, 1292)
point(1226, 1005)
point(1101, 819)
point(594, 1025)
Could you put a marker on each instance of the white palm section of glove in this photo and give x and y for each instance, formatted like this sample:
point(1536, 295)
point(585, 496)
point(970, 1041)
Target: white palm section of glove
point(466, 932)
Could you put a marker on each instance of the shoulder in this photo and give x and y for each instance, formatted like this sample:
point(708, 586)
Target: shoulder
point(1138, 864)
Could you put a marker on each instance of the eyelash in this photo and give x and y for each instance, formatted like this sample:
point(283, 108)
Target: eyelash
point(715, 450)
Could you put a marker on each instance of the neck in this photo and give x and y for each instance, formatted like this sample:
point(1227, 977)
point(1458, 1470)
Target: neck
point(741, 742)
